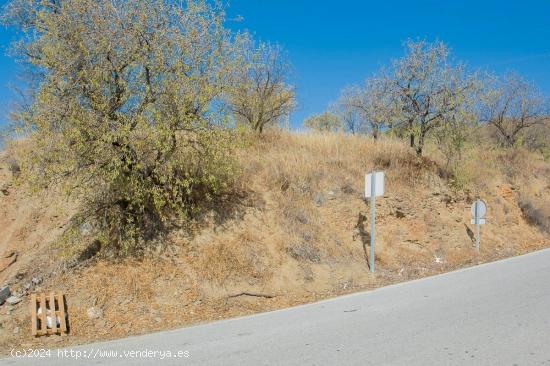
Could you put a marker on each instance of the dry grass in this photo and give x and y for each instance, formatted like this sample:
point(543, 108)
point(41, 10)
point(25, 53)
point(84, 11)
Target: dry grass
point(301, 233)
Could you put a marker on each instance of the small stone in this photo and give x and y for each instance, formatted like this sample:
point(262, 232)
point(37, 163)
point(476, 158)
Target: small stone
point(158, 319)
point(5, 292)
point(85, 229)
point(94, 312)
point(36, 280)
point(13, 300)
point(319, 199)
point(399, 214)
point(16, 330)
point(123, 302)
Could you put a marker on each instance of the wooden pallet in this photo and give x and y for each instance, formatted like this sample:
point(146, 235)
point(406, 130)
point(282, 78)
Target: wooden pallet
point(52, 305)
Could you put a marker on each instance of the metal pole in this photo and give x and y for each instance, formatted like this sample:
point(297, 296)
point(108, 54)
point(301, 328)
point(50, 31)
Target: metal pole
point(477, 224)
point(372, 218)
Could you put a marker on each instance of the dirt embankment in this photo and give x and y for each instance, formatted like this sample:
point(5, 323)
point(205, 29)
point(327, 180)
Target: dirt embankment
point(299, 233)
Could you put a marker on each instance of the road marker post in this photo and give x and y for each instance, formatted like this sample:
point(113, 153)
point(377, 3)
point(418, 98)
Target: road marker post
point(374, 186)
point(479, 209)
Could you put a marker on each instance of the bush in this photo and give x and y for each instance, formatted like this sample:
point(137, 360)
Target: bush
point(124, 115)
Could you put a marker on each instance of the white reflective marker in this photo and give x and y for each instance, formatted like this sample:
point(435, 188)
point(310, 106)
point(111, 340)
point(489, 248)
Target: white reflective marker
point(479, 209)
point(378, 184)
point(374, 186)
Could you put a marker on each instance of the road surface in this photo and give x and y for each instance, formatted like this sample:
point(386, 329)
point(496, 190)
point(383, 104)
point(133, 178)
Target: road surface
point(493, 314)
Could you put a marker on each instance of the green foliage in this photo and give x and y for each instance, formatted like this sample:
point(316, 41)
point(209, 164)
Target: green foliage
point(125, 113)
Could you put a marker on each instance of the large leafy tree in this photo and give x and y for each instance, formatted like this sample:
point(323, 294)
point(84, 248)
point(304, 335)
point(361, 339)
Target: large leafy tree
point(124, 111)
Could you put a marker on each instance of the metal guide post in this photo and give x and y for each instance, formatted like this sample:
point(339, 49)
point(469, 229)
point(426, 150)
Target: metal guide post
point(373, 219)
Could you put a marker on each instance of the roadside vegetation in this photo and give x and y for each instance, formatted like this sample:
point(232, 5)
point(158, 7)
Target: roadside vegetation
point(137, 108)
point(149, 169)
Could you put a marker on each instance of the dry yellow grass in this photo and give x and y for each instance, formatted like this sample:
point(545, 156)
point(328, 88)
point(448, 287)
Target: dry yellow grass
point(299, 233)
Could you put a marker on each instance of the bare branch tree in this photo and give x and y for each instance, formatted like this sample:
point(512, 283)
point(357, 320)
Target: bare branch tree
point(511, 105)
point(372, 106)
point(352, 120)
point(260, 94)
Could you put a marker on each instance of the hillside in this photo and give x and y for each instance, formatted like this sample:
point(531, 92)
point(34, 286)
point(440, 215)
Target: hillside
point(296, 230)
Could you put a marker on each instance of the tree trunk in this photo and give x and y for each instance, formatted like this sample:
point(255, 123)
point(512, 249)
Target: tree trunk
point(420, 146)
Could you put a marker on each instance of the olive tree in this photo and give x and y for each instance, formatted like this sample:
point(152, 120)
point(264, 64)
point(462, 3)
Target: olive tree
point(123, 111)
point(512, 105)
point(260, 94)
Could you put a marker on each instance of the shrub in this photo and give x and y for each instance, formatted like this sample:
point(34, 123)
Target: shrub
point(124, 114)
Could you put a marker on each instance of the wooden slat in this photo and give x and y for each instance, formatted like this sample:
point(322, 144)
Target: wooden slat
point(33, 315)
point(43, 328)
point(61, 304)
point(53, 313)
point(48, 306)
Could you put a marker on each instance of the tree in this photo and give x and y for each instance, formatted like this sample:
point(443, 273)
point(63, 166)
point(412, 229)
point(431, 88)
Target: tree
point(511, 105)
point(373, 105)
point(426, 89)
point(123, 111)
point(260, 94)
point(324, 122)
point(351, 117)
point(351, 120)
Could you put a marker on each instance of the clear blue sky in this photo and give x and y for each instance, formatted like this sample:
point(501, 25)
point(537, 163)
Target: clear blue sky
point(332, 44)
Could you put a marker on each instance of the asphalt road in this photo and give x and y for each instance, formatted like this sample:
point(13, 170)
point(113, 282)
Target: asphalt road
point(493, 314)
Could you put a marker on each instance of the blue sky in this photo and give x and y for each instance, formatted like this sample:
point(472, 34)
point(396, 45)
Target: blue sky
point(334, 44)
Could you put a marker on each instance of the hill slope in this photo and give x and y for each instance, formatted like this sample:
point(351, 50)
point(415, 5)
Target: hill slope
point(298, 232)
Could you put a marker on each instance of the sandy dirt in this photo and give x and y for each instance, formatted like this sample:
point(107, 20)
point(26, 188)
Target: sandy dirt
point(300, 234)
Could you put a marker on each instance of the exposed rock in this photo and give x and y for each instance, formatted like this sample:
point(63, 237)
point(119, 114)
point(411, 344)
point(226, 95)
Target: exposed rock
point(399, 213)
point(16, 330)
point(13, 300)
point(5, 190)
point(347, 188)
point(5, 292)
point(319, 199)
point(36, 281)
